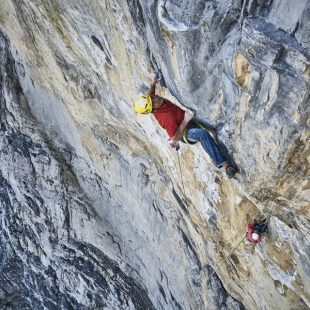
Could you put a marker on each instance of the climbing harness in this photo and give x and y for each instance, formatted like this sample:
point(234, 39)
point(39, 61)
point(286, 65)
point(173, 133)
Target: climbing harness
point(193, 124)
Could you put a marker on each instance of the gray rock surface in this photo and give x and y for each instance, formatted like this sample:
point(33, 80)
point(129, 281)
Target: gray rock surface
point(93, 211)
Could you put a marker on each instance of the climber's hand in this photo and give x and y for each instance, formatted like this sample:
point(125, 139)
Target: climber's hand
point(174, 144)
point(155, 80)
point(159, 76)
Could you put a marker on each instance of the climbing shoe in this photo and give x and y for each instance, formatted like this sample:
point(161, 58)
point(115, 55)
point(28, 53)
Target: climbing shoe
point(231, 171)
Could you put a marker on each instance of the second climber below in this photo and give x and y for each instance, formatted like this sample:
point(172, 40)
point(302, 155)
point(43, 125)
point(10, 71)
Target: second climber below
point(181, 126)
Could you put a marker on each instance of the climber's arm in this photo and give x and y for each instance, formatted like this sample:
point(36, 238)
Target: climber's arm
point(151, 90)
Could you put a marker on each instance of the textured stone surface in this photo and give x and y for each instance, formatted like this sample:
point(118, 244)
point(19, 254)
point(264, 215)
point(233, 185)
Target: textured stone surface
point(93, 211)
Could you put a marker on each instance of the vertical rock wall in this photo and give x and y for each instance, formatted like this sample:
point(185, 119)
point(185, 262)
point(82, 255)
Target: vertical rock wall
point(93, 211)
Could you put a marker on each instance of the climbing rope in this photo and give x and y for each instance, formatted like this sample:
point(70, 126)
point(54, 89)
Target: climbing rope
point(225, 258)
point(181, 174)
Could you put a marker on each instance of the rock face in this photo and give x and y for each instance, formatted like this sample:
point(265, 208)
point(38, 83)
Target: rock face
point(96, 211)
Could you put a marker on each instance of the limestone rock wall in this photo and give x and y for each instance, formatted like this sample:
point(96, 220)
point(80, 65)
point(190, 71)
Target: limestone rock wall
point(94, 214)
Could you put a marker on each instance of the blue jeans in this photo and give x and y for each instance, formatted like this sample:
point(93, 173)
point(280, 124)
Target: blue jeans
point(209, 145)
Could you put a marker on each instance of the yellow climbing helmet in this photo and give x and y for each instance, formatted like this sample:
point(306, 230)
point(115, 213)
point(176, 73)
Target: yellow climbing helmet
point(143, 105)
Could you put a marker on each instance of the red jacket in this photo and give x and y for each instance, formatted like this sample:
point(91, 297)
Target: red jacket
point(169, 117)
point(251, 228)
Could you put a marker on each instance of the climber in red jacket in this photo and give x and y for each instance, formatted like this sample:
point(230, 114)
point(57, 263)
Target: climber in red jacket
point(181, 126)
point(256, 230)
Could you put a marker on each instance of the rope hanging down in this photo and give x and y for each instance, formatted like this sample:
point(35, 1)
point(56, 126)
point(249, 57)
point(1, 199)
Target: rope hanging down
point(231, 252)
point(181, 175)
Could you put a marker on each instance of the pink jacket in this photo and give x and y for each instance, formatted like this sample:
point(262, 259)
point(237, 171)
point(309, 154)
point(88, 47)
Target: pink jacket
point(251, 229)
